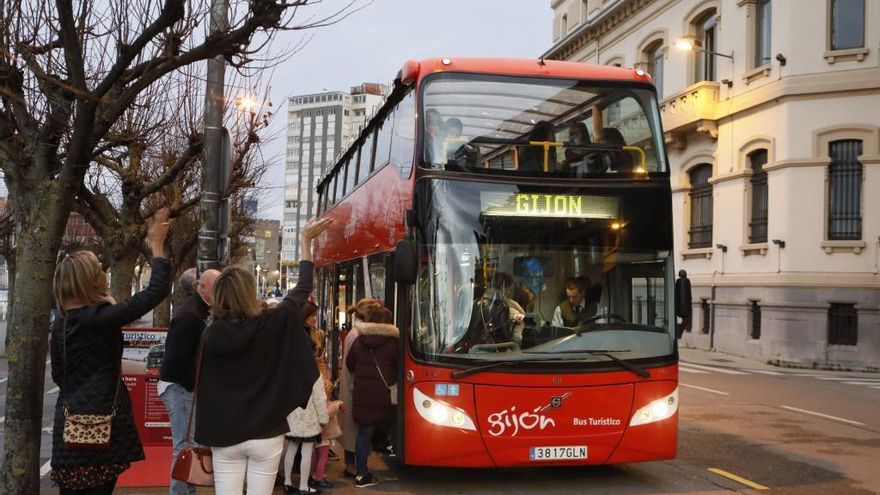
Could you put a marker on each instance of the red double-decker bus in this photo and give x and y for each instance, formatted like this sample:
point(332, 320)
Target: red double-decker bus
point(516, 216)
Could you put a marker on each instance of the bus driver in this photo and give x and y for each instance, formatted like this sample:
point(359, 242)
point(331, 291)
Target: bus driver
point(575, 310)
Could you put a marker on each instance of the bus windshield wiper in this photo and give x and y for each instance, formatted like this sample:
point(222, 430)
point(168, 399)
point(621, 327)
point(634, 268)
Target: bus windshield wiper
point(476, 369)
point(496, 364)
point(641, 372)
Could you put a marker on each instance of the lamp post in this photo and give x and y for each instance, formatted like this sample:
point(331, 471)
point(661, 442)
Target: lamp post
point(259, 292)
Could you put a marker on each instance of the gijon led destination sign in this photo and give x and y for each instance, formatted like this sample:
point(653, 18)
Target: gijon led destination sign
point(501, 204)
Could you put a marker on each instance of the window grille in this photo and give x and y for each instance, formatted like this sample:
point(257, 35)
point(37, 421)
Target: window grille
point(701, 207)
point(843, 324)
point(845, 187)
point(755, 331)
point(758, 222)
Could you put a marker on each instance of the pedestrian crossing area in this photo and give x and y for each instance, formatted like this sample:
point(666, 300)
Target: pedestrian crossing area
point(688, 368)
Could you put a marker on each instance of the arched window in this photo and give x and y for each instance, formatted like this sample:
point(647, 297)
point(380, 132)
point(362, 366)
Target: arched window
point(705, 63)
point(700, 233)
point(653, 56)
point(758, 182)
point(845, 190)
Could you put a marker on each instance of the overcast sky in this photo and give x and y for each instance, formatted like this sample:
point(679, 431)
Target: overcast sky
point(372, 44)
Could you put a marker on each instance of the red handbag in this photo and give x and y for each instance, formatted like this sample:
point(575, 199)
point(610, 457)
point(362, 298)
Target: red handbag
point(193, 464)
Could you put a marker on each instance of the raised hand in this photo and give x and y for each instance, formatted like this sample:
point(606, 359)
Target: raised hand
point(157, 231)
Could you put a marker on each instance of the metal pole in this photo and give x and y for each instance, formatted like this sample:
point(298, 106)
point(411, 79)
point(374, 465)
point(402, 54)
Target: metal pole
point(209, 208)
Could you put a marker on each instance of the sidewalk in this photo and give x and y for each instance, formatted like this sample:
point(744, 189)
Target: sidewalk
point(724, 360)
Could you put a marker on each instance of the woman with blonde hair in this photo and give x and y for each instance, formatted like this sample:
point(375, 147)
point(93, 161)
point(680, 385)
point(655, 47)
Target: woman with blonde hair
point(86, 351)
point(257, 367)
point(357, 314)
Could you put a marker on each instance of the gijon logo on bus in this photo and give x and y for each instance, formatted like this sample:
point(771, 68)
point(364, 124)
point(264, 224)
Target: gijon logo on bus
point(500, 422)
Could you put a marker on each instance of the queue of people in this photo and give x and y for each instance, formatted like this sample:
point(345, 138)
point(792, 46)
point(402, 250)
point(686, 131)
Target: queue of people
point(252, 379)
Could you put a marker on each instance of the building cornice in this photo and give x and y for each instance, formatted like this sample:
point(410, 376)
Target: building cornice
point(609, 17)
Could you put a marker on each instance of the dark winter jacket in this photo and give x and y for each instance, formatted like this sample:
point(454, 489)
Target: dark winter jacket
point(372, 399)
point(255, 372)
point(182, 342)
point(93, 355)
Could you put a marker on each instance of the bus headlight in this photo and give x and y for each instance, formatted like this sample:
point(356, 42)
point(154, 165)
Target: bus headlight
point(440, 414)
point(657, 410)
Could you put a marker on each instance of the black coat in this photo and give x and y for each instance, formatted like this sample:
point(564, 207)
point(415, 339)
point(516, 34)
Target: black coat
point(93, 355)
point(371, 398)
point(182, 342)
point(255, 372)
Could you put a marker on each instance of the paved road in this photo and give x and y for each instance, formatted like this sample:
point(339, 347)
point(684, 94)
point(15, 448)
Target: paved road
point(743, 425)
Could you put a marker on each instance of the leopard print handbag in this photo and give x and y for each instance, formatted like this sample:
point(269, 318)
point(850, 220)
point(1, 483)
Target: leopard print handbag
point(87, 431)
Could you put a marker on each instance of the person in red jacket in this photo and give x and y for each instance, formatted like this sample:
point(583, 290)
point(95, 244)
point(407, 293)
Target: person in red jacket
point(373, 361)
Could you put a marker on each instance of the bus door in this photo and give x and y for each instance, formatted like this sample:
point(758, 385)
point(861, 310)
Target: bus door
point(638, 293)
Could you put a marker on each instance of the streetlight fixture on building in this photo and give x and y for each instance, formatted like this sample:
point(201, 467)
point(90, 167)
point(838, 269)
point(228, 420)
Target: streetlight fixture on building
point(689, 43)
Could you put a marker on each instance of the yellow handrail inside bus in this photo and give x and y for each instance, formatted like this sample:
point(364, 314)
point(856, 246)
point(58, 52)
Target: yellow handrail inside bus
point(643, 168)
point(546, 145)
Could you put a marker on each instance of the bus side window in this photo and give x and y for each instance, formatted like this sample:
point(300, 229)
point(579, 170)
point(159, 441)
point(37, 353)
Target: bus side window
point(366, 158)
point(383, 142)
point(402, 144)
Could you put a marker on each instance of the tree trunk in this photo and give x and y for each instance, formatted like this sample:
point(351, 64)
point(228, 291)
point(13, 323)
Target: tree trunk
point(162, 314)
point(27, 331)
point(122, 274)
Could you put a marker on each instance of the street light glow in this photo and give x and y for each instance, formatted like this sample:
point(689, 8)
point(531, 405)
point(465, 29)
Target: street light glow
point(685, 44)
point(247, 103)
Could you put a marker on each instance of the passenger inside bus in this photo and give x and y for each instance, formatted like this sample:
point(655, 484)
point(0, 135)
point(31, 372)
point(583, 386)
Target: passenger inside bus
point(616, 161)
point(434, 133)
point(531, 157)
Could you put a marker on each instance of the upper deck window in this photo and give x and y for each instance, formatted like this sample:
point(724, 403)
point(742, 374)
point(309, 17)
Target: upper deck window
point(532, 126)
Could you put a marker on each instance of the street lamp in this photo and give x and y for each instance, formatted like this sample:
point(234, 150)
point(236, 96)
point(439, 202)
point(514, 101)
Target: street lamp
point(689, 43)
point(259, 292)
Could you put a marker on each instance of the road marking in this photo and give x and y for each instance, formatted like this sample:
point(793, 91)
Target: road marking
point(52, 391)
point(764, 372)
point(849, 378)
point(860, 383)
point(45, 468)
point(689, 370)
point(738, 479)
point(4, 379)
point(823, 415)
point(719, 370)
point(878, 388)
point(2, 419)
point(703, 389)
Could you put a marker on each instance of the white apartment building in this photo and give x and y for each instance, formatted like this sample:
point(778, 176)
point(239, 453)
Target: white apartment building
point(772, 128)
point(318, 127)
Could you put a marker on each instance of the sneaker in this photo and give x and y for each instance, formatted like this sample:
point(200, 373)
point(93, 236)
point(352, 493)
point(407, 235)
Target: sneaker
point(389, 451)
point(319, 483)
point(365, 481)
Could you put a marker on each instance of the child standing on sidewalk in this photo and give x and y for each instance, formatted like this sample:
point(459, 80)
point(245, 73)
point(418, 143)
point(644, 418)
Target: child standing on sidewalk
point(305, 430)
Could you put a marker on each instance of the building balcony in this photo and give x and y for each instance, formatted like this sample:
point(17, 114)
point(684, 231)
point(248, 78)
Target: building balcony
point(694, 109)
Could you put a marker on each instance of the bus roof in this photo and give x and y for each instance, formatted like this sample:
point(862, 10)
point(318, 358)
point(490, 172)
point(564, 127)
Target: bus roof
point(417, 69)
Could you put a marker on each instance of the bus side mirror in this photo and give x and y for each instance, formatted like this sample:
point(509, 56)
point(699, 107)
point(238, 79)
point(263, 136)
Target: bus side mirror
point(405, 266)
point(683, 303)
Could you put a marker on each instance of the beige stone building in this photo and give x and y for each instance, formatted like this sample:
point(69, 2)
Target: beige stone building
point(771, 125)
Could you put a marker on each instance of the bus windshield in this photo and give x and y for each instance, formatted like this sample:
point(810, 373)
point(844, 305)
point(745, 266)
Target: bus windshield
point(512, 272)
point(539, 126)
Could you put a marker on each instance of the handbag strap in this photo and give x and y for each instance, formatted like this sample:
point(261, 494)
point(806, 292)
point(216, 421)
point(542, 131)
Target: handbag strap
point(192, 409)
point(64, 370)
point(381, 376)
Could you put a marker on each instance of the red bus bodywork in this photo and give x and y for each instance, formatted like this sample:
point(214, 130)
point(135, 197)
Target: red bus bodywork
point(593, 410)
